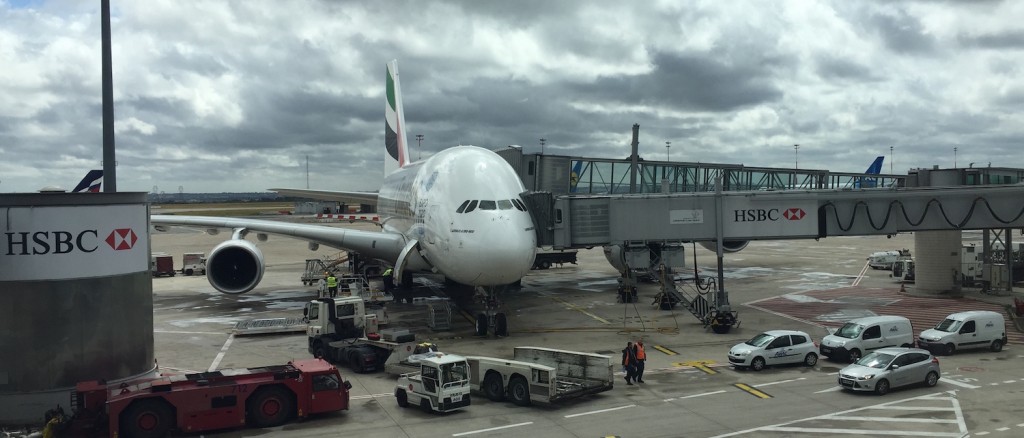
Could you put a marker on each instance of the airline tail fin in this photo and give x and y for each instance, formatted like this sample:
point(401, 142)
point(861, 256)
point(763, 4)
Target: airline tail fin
point(91, 182)
point(574, 176)
point(874, 169)
point(396, 147)
point(876, 166)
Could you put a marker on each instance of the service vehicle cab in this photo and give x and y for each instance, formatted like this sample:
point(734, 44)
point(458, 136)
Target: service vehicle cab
point(441, 385)
point(973, 329)
point(890, 368)
point(774, 347)
point(863, 335)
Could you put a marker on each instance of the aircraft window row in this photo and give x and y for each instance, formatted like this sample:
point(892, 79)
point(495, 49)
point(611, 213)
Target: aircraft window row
point(503, 204)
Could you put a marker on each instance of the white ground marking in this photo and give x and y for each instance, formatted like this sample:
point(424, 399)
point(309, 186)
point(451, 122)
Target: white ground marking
point(960, 384)
point(776, 383)
point(356, 397)
point(598, 412)
point(834, 388)
point(787, 427)
point(491, 429)
point(175, 332)
point(220, 356)
point(695, 395)
point(860, 276)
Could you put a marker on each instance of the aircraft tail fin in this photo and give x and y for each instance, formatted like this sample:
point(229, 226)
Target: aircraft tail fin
point(91, 183)
point(876, 166)
point(396, 153)
point(874, 169)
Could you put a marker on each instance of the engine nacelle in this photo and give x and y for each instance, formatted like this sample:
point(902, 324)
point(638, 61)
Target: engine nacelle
point(235, 266)
point(727, 245)
point(616, 257)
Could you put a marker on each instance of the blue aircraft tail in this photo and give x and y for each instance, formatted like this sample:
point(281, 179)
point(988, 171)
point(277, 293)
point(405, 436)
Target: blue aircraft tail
point(91, 182)
point(874, 169)
point(574, 177)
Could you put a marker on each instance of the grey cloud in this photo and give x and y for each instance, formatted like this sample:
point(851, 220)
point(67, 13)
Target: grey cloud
point(1012, 39)
point(903, 33)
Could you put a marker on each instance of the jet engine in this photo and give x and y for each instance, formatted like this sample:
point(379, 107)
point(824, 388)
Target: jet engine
point(616, 257)
point(727, 245)
point(235, 266)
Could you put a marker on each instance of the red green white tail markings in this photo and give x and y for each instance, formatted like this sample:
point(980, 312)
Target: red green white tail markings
point(396, 154)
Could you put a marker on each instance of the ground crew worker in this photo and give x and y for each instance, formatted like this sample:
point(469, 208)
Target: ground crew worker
point(332, 284)
point(629, 362)
point(389, 281)
point(641, 357)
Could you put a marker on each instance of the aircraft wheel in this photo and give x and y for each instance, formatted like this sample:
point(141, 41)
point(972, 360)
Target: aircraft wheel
point(481, 324)
point(500, 325)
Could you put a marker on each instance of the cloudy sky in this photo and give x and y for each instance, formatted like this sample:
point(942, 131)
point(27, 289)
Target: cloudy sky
point(215, 96)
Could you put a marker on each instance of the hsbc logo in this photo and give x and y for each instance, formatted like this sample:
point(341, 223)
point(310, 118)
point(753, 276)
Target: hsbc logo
point(121, 239)
point(65, 242)
point(768, 214)
point(794, 214)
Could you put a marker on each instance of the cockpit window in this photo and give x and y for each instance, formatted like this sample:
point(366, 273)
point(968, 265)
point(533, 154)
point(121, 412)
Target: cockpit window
point(462, 207)
point(505, 204)
point(471, 206)
point(488, 205)
point(519, 204)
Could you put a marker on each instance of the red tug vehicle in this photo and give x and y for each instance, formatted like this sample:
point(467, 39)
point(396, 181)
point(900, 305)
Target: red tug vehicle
point(261, 397)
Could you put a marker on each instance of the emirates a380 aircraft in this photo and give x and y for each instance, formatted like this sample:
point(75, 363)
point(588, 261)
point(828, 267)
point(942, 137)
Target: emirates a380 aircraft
point(457, 213)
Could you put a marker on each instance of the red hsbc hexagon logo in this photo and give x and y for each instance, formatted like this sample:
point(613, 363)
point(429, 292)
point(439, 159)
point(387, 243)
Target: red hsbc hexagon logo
point(121, 239)
point(794, 214)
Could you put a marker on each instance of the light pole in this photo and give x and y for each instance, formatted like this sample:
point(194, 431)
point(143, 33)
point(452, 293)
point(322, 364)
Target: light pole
point(796, 156)
point(542, 145)
point(668, 144)
point(954, 157)
point(419, 148)
point(890, 159)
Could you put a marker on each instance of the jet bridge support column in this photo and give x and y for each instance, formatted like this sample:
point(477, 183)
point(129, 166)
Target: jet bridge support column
point(721, 318)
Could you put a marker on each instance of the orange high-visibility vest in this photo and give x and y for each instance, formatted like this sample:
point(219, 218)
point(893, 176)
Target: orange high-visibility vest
point(640, 355)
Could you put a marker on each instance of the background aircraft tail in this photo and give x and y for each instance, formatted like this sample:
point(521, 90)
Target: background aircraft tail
point(91, 182)
point(874, 169)
point(396, 147)
point(876, 166)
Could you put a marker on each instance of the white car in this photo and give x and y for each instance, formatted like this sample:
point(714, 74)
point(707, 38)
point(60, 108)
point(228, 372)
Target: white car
point(774, 347)
point(889, 368)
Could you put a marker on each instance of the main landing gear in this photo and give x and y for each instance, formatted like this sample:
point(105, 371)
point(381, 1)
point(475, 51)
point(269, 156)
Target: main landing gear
point(490, 319)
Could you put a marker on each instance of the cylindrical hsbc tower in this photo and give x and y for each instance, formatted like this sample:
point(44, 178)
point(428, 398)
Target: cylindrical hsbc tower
point(76, 296)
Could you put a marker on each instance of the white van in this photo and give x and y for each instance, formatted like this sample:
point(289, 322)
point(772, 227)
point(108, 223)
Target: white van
point(864, 335)
point(974, 329)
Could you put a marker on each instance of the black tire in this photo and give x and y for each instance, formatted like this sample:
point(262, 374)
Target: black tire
point(720, 329)
point(500, 325)
point(882, 387)
point(493, 388)
point(425, 406)
point(519, 391)
point(270, 406)
point(147, 418)
point(906, 346)
point(931, 379)
point(757, 364)
point(188, 272)
point(355, 361)
point(854, 355)
point(481, 324)
point(319, 350)
point(402, 398)
point(545, 265)
point(950, 349)
point(997, 345)
point(811, 359)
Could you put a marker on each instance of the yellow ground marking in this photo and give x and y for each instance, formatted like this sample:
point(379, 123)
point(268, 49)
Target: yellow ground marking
point(665, 350)
point(753, 391)
point(580, 309)
point(700, 365)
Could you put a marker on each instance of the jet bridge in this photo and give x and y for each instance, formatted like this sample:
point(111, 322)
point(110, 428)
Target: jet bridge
point(639, 222)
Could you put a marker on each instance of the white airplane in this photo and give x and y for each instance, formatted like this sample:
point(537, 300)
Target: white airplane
point(457, 213)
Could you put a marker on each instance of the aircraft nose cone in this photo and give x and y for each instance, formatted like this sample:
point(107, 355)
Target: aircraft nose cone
point(502, 256)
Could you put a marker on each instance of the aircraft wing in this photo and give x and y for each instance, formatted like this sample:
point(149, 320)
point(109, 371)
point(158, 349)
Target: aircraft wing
point(330, 195)
point(375, 244)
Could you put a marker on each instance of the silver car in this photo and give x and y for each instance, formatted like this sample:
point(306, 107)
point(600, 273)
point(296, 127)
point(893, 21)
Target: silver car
point(888, 368)
point(774, 347)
